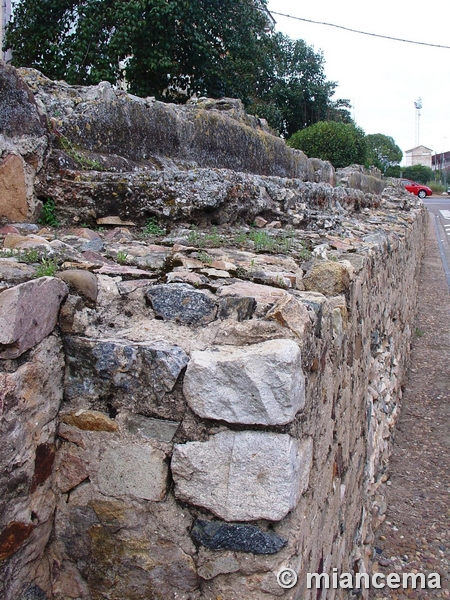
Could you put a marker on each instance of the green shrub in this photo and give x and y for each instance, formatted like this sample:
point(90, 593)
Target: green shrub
point(122, 257)
point(342, 144)
point(47, 216)
point(46, 268)
point(419, 173)
point(437, 187)
point(152, 227)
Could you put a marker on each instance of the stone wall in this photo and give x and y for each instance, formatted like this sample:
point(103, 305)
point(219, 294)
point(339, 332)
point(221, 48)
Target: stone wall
point(186, 412)
point(23, 146)
point(207, 435)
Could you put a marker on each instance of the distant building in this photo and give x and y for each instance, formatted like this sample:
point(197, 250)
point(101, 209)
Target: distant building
point(5, 15)
point(441, 162)
point(420, 155)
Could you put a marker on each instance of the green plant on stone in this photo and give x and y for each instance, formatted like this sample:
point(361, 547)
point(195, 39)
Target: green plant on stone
point(83, 161)
point(419, 332)
point(284, 243)
point(280, 282)
point(304, 253)
point(152, 227)
point(214, 239)
point(47, 216)
point(204, 257)
point(7, 253)
point(196, 239)
point(262, 240)
point(30, 255)
point(46, 268)
point(122, 257)
point(240, 239)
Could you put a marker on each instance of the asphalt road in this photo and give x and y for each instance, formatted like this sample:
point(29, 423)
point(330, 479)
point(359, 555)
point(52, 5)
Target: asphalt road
point(439, 207)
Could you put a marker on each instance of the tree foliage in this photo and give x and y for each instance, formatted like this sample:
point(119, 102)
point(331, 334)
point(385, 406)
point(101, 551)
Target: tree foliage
point(382, 151)
point(292, 91)
point(418, 173)
point(174, 49)
point(342, 144)
point(394, 171)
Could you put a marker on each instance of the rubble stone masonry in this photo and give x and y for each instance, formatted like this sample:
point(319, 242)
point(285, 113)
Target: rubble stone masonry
point(185, 413)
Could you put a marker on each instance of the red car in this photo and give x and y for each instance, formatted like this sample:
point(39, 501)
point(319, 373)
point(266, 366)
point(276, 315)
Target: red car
point(417, 188)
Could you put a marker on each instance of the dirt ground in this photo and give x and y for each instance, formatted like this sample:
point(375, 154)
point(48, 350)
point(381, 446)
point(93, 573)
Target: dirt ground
point(415, 537)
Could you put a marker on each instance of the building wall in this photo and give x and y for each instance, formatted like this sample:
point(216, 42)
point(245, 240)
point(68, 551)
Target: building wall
point(5, 15)
point(421, 155)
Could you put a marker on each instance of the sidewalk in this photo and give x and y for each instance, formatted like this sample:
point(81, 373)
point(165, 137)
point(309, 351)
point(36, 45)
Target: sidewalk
point(416, 533)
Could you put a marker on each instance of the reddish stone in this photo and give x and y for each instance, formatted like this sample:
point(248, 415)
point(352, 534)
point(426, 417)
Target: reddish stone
point(85, 233)
point(339, 244)
point(260, 222)
point(43, 465)
point(13, 537)
point(13, 189)
point(28, 313)
point(71, 470)
point(90, 420)
point(8, 229)
point(96, 258)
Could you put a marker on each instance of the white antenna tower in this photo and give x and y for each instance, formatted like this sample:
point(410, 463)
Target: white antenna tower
point(418, 105)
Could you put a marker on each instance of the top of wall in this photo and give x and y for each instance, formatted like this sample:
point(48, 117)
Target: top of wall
point(208, 133)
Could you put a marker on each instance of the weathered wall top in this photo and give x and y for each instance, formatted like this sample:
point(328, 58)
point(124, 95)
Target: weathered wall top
point(19, 113)
point(216, 134)
point(109, 153)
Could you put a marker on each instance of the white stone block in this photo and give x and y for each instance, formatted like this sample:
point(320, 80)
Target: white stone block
point(244, 475)
point(258, 384)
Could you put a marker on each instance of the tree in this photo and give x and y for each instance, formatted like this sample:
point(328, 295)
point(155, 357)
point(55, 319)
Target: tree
point(292, 91)
point(167, 46)
point(394, 171)
point(173, 49)
point(342, 144)
point(418, 173)
point(382, 152)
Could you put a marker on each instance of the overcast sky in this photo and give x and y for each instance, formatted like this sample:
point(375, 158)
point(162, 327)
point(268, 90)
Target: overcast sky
point(383, 78)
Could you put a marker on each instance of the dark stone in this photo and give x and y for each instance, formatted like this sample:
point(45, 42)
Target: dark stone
point(92, 245)
point(137, 376)
point(181, 302)
point(18, 110)
point(13, 537)
point(243, 538)
point(33, 592)
point(74, 534)
point(240, 309)
point(43, 465)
